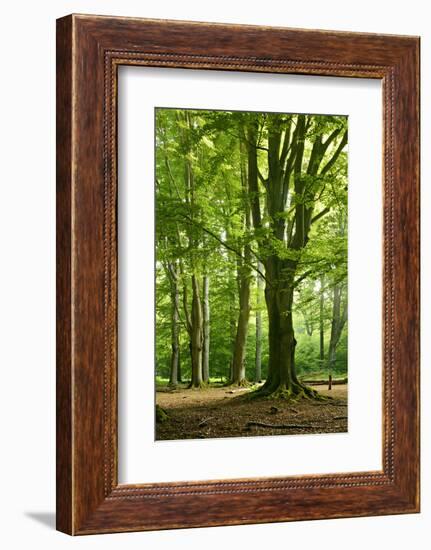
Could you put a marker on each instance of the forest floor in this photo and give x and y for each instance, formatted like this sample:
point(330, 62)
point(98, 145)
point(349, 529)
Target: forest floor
point(223, 411)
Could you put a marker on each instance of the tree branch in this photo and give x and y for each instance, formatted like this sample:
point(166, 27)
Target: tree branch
point(302, 277)
point(262, 179)
point(226, 245)
point(286, 144)
point(320, 215)
point(335, 156)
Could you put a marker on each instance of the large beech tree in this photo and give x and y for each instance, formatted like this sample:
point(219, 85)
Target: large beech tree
point(301, 153)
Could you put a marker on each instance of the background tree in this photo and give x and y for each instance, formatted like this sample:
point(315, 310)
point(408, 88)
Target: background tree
point(206, 330)
point(258, 357)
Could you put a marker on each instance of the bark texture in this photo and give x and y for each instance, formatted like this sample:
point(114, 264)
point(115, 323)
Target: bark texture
point(196, 335)
point(175, 326)
point(206, 330)
point(244, 282)
point(321, 324)
point(258, 356)
point(238, 364)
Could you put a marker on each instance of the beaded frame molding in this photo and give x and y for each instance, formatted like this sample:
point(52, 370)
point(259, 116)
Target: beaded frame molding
point(89, 51)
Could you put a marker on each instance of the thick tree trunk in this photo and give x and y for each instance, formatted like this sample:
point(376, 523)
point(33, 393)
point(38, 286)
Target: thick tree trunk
point(282, 380)
point(206, 331)
point(175, 333)
point(196, 335)
point(258, 357)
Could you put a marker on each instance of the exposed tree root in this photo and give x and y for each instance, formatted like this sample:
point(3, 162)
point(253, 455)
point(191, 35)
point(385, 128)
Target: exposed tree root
point(295, 393)
point(283, 426)
point(331, 401)
point(205, 421)
point(241, 383)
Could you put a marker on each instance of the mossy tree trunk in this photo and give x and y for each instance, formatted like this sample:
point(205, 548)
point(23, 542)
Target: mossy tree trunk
point(282, 380)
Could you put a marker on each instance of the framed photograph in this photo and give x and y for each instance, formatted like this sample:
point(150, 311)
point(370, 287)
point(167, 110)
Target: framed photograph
point(237, 274)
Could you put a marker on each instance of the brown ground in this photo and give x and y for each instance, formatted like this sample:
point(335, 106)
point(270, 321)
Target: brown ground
point(225, 412)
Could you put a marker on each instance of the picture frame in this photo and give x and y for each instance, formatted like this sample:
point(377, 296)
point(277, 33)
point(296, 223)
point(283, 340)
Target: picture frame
point(89, 51)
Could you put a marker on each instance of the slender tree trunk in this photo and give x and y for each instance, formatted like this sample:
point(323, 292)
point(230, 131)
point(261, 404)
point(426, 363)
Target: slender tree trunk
point(206, 331)
point(321, 326)
point(175, 328)
point(338, 321)
point(334, 328)
point(258, 358)
point(308, 326)
point(195, 320)
point(179, 375)
point(241, 332)
point(196, 335)
point(244, 282)
point(232, 334)
point(231, 296)
point(188, 318)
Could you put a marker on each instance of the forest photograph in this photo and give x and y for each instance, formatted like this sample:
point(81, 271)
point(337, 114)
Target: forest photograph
point(251, 281)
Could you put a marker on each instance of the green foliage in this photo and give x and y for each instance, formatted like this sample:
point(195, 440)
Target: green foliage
point(307, 356)
point(200, 204)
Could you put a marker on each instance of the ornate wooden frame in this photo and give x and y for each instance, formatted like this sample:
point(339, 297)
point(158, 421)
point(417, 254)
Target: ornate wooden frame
point(89, 51)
